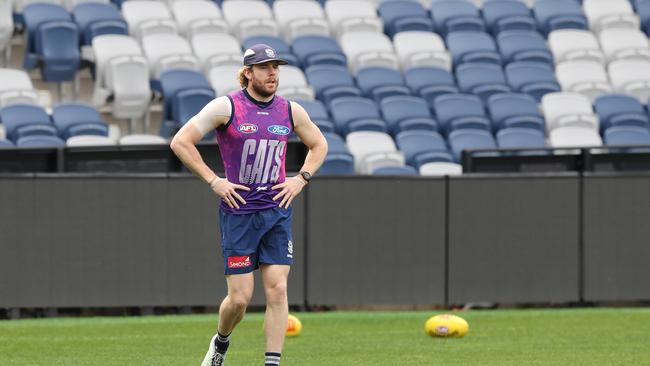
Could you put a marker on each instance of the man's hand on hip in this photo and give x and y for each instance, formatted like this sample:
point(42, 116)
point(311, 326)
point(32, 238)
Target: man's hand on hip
point(289, 190)
point(227, 191)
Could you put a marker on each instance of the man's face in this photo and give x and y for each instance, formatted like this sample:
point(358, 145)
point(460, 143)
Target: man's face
point(264, 78)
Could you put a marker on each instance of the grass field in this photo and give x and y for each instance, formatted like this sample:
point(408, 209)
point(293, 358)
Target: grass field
point(498, 337)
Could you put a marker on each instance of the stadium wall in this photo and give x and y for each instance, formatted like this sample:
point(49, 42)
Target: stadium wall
point(152, 240)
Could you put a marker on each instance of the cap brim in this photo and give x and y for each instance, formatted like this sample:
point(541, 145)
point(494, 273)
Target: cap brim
point(278, 60)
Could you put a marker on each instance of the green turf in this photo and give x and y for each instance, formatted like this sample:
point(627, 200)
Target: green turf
point(514, 337)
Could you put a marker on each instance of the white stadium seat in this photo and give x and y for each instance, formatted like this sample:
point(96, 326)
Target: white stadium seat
point(147, 17)
point(368, 49)
point(621, 43)
point(139, 139)
point(418, 48)
point(224, 79)
point(440, 168)
point(105, 48)
point(198, 17)
point(574, 136)
point(585, 77)
point(574, 44)
point(167, 51)
point(631, 77)
point(293, 84)
point(568, 109)
point(606, 14)
point(353, 16)
point(87, 140)
point(248, 18)
point(300, 18)
point(228, 53)
point(128, 78)
point(16, 88)
point(365, 144)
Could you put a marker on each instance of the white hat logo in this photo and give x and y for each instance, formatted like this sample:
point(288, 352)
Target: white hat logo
point(270, 53)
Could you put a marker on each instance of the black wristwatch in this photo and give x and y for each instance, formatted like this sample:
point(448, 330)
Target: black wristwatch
point(305, 175)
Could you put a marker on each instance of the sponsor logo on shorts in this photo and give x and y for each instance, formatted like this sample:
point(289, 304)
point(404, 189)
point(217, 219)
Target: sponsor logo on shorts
point(279, 130)
point(247, 128)
point(239, 261)
point(290, 249)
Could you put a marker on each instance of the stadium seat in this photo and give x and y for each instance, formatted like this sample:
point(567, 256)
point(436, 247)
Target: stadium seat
point(293, 84)
point(331, 82)
point(314, 50)
point(16, 88)
point(585, 77)
point(518, 45)
point(189, 102)
point(481, 79)
point(574, 136)
point(38, 141)
point(168, 51)
point(559, 14)
point(6, 144)
point(430, 82)
point(175, 80)
point(148, 17)
point(574, 45)
point(379, 82)
point(228, 53)
point(365, 49)
point(373, 149)
point(26, 120)
point(471, 46)
point(335, 144)
point(631, 77)
point(435, 169)
point(300, 18)
point(627, 135)
point(450, 16)
point(515, 110)
point(419, 48)
point(337, 164)
point(607, 14)
point(568, 109)
point(421, 146)
point(318, 114)
point(352, 16)
point(83, 141)
point(140, 139)
point(404, 15)
point(620, 110)
point(57, 48)
point(460, 111)
point(520, 137)
point(278, 44)
point(248, 18)
point(198, 17)
point(128, 78)
point(403, 113)
point(469, 138)
point(623, 43)
point(70, 5)
point(95, 19)
point(356, 114)
point(34, 16)
point(403, 170)
point(222, 79)
point(643, 10)
point(533, 78)
point(73, 119)
point(503, 15)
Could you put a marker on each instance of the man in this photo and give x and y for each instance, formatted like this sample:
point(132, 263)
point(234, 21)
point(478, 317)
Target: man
point(253, 127)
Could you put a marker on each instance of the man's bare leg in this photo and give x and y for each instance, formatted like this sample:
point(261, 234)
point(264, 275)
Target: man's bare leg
point(277, 310)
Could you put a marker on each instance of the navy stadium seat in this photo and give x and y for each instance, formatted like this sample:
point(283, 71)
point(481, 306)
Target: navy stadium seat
point(559, 14)
point(627, 135)
point(502, 15)
point(421, 146)
point(57, 46)
point(515, 110)
point(278, 44)
point(451, 15)
point(469, 138)
point(472, 46)
point(316, 50)
point(620, 110)
point(355, 114)
point(318, 114)
point(481, 79)
point(172, 82)
point(378, 82)
point(520, 137)
point(337, 164)
point(460, 111)
point(520, 45)
point(335, 143)
point(34, 16)
point(403, 113)
point(429, 82)
point(96, 19)
point(331, 82)
point(40, 141)
point(73, 119)
point(404, 15)
point(643, 10)
point(26, 120)
point(189, 102)
point(396, 170)
point(534, 78)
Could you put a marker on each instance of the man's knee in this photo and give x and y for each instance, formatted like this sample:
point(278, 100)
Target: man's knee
point(277, 292)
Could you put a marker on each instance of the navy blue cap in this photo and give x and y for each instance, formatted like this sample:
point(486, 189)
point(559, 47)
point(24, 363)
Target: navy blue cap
point(260, 53)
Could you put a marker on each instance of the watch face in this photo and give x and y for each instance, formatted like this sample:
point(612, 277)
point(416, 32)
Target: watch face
point(306, 175)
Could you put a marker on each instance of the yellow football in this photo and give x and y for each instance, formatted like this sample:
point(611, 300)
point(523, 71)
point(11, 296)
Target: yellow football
point(294, 326)
point(446, 325)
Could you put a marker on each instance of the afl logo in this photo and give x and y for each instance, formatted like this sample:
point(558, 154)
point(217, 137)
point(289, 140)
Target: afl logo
point(279, 130)
point(247, 128)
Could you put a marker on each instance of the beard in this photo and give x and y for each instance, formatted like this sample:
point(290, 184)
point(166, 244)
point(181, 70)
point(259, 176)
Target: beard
point(261, 89)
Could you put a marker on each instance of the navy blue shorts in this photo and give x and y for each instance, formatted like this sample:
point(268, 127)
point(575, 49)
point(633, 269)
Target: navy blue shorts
point(259, 237)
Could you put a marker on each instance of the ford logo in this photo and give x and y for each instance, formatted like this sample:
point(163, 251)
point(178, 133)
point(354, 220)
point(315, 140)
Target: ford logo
point(279, 130)
point(247, 128)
